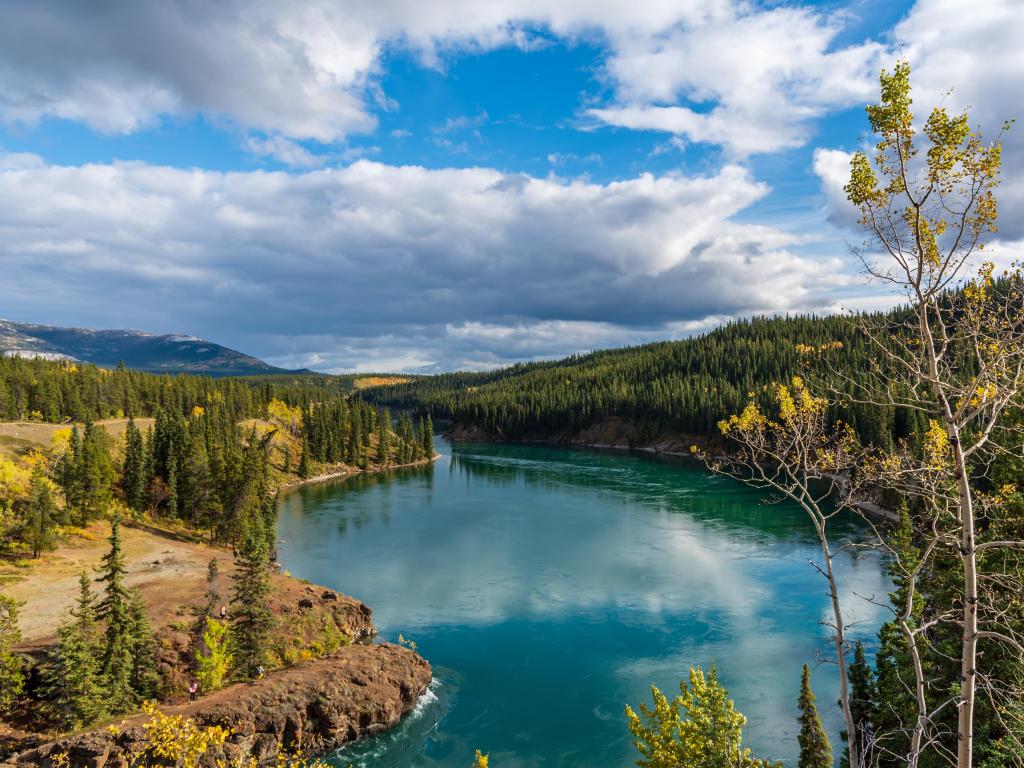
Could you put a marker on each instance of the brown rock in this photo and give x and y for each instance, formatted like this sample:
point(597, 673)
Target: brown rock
point(312, 707)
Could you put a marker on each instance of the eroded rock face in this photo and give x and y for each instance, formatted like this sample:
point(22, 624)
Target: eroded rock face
point(312, 707)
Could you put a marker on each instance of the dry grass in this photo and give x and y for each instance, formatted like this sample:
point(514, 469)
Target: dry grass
point(366, 382)
point(18, 437)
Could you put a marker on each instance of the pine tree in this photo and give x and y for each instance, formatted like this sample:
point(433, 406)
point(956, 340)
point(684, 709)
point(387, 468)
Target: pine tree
point(41, 515)
point(72, 685)
point(427, 437)
point(383, 442)
point(94, 474)
point(12, 676)
point(69, 471)
point(863, 695)
point(145, 680)
point(252, 620)
point(134, 475)
point(304, 468)
point(815, 749)
point(117, 660)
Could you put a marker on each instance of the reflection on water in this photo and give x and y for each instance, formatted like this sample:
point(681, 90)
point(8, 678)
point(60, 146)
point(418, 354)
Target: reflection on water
point(554, 586)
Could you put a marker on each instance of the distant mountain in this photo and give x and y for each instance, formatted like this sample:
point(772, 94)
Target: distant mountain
point(167, 353)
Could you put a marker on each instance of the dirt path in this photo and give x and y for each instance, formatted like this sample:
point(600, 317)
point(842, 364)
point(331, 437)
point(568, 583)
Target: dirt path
point(170, 570)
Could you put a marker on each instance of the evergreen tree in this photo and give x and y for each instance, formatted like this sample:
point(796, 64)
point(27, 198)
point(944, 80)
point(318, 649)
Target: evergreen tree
point(251, 617)
point(12, 675)
point(117, 657)
point(72, 684)
point(383, 442)
point(815, 749)
point(304, 468)
point(69, 470)
point(134, 475)
point(862, 699)
point(145, 680)
point(427, 437)
point(41, 515)
point(94, 474)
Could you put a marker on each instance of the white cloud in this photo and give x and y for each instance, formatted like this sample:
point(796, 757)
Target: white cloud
point(287, 151)
point(469, 264)
point(971, 61)
point(750, 80)
point(718, 71)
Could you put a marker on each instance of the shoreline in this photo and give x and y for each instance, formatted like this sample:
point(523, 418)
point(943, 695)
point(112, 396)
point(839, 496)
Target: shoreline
point(340, 475)
point(662, 445)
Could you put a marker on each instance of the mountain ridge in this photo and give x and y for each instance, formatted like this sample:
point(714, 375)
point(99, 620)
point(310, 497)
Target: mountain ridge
point(142, 350)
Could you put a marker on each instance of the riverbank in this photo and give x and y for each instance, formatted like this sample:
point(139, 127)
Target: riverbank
point(621, 434)
point(310, 708)
point(615, 433)
point(348, 471)
point(318, 630)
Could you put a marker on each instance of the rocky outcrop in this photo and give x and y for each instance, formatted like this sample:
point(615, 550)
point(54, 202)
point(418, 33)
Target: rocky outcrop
point(312, 707)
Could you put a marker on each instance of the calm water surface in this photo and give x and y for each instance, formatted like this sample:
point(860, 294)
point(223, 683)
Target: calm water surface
point(549, 587)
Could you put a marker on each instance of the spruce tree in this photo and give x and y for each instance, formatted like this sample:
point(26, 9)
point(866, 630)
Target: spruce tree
point(383, 444)
point(72, 685)
point(12, 675)
point(863, 695)
point(304, 468)
point(41, 515)
point(427, 438)
point(145, 680)
point(815, 749)
point(69, 471)
point(95, 474)
point(134, 475)
point(117, 659)
point(251, 617)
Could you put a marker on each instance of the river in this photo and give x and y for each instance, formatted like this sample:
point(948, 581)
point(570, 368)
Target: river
point(550, 587)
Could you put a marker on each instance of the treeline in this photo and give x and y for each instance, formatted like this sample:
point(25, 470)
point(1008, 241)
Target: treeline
point(55, 392)
point(683, 386)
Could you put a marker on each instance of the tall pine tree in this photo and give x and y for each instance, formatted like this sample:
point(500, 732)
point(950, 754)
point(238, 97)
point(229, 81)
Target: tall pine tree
point(73, 683)
point(117, 657)
point(815, 749)
point(251, 617)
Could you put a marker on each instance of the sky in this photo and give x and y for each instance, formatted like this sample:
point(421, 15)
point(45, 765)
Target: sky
point(409, 186)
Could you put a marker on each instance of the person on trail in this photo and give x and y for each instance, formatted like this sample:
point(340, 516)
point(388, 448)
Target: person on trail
point(223, 612)
point(260, 672)
point(192, 689)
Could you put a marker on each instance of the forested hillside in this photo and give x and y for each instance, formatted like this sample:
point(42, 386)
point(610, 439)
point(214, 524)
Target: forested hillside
point(674, 386)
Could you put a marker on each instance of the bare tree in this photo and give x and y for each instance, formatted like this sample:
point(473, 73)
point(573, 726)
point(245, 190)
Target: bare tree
point(956, 357)
point(800, 456)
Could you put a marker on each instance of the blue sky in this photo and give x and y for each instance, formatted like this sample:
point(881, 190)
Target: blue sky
point(410, 188)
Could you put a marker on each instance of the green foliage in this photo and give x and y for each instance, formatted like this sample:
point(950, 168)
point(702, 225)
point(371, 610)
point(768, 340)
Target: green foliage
point(41, 515)
point(683, 387)
point(863, 697)
point(815, 749)
point(252, 620)
point(214, 661)
point(73, 683)
point(12, 674)
point(700, 728)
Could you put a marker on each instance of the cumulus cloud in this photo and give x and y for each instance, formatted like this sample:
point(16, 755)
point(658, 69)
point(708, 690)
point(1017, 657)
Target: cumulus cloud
point(718, 71)
point(474, 265)
point(963, 61)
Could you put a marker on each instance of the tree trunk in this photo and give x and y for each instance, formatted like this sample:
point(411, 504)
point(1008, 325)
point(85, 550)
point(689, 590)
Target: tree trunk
point(840, 638)
point(969, 642)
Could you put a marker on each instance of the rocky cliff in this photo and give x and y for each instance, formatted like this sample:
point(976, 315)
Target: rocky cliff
point(312, 707)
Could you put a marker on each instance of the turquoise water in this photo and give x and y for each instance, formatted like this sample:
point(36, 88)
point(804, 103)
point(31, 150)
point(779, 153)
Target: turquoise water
point(549, 588)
